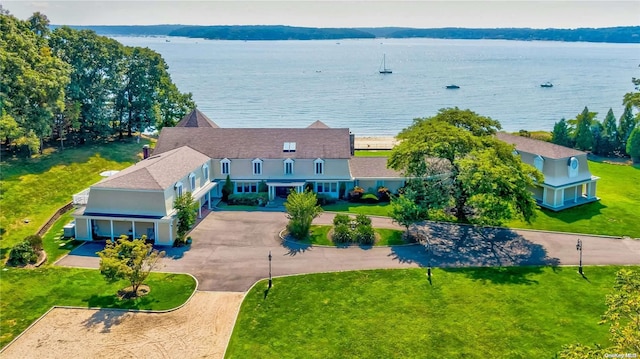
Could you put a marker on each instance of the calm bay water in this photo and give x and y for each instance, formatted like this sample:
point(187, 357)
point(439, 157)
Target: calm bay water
point(293, 83)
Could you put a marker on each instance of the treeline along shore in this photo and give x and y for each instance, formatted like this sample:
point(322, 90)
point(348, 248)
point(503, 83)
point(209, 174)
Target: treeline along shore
point(621, 34)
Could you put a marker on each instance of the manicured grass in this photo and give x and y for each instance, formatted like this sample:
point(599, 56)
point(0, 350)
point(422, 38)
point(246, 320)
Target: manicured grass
point(54, 242)
point(27, 294)
point(33, 189)
point(524, 312)
point(378, 209)
point(387, 237)
point(616, 213)
point(379, 153)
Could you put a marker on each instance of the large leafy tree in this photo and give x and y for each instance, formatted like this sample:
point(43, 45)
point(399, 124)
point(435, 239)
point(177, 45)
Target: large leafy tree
point(632, 99)
point(97, 65)
point(302, 208)
point(172, 104)
point(464, 141)
point(131, 260)
point(32, 79)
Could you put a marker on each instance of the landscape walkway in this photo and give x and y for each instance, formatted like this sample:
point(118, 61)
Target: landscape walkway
point(230, 250)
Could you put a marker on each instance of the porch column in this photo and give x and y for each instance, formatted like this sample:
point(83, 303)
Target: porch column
point(89, 229)
point(209, 200)
point(133, 229)
point(111, 225)
point(155, 230)
point(271, 193)
point(200, 207)
point(575, 196)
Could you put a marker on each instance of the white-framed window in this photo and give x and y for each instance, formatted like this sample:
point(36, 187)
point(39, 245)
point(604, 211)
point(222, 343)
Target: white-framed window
point(257, 166)
point(289, 147)
point(538, 162)
point(288, 166)
point(326, 187)
point(246, 187)
point(178, 188)
point(225, 166)
point(192, 181)
point(205, 172)
point(318, 166)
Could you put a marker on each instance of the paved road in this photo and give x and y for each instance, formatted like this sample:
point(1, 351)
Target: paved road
point(230, 250)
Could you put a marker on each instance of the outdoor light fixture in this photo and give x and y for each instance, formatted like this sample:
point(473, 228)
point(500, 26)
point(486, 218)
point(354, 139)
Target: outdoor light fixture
point(579, 249)
point(270, 281)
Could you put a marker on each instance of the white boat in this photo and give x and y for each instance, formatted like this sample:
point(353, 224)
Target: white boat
point(383, 66)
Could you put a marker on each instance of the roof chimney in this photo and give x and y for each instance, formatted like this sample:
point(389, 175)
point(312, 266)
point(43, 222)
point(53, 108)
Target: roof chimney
point(352, 143)
point(145, 152)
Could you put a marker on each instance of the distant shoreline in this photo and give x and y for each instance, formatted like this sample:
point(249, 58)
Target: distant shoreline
point(374, 143)
point(620, 34)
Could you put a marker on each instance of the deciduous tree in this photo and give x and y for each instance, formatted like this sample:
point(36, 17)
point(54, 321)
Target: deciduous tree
point(186, 209)
point(131, 260)
point(459, 137)
point(301, 209)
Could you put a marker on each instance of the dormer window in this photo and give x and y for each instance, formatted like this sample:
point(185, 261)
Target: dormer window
point(205, 172)
point(289, 147)
point(318, 165)
point(573, 167)
point(225, 166)
point(178, 188)
point(257, 166)
point(538, 162)
point(288, 166)
point(192, 181)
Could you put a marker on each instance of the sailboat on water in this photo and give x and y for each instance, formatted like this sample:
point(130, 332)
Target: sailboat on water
point(383, 66)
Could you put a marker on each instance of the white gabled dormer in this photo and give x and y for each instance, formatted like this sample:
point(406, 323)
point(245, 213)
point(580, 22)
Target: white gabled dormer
point(538, 162)
point(318, 166)
point(573, 167)
point(257, 166)
point(288, 166)
point(225, 166)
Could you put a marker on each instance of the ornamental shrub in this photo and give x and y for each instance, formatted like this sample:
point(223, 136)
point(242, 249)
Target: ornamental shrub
point(362, 219)
point(369, 198)
point(22, 254)
point(35, 241)
point(262, 186)
point(248, 199)
point(364, 234)
point(227, 189)
point(342, 234)
point(341, 218)
point(324, 199)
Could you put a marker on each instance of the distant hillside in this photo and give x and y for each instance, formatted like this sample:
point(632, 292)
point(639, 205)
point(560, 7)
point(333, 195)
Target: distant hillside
point(629, 34)
point(268, 32)
point(128, 30)
point(623, 34)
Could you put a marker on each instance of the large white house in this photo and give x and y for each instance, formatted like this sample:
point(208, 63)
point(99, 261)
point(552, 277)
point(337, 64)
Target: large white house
point(567, 179)
point(197, 156)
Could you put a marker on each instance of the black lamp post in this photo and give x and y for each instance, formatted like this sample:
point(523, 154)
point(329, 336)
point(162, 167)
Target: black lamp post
point(270, 281)
point(579, 248)
point(427, 248)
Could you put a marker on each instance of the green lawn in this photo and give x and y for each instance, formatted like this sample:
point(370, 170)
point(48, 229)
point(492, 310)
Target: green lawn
point(616, 213)
point(33, 189)
point(386, 237)
point(379, 153)
point(27, 294)
point(524, 312)
point(378, 209)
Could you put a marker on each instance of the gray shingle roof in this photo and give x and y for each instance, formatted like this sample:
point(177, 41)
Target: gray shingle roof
point(196, 119)
point(537, 147)
point(157, 172)
point(258, 142)
point(371, 167)
point(318, 124)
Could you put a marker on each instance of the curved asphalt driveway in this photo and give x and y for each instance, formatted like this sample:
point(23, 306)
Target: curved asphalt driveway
point(230, 250)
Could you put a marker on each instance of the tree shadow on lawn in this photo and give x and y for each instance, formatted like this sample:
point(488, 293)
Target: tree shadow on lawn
point(469, 246)
point(581, 212)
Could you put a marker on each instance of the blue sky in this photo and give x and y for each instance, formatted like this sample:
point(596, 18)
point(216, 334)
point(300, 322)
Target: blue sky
point(340, 13)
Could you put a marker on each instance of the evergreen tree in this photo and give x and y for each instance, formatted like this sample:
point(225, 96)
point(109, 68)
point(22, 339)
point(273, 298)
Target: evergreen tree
point(599, 142)
point(583, 135)
point(626, 125)
point(610, 133)
point(633, 145)
point(561, 134)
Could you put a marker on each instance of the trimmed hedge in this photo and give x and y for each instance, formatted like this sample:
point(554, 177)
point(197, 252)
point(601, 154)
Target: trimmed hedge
point(249, 199)
point(341, 218)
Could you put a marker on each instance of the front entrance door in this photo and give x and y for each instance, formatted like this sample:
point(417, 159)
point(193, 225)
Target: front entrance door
point(283, 191)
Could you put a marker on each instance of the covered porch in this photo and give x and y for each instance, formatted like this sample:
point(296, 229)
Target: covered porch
point(557, 198)
point(282, 188)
